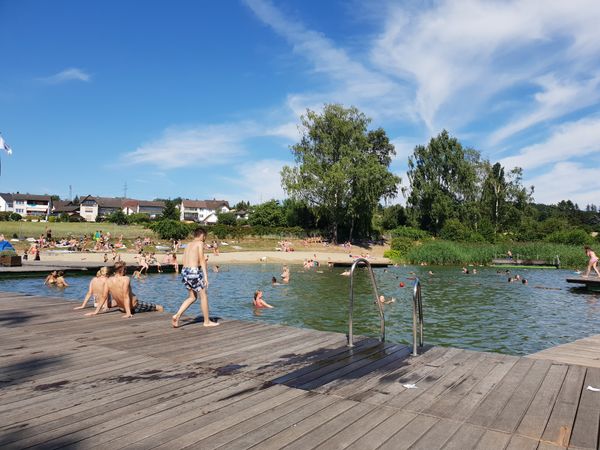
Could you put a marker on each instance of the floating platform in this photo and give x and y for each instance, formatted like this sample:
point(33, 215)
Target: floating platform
point(591, 283)
point(105, 382)
point(374, 264)
point(524, 263)
point(33, 269)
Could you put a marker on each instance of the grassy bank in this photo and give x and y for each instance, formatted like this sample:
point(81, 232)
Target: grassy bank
point(441, 252)
point(60, 230)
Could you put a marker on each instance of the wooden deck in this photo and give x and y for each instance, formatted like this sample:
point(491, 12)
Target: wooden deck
point(592, 282)
point(108, 382)
point(583, 352)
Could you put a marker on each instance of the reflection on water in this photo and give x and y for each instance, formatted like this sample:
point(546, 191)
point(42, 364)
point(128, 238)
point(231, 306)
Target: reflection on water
point(481, 312)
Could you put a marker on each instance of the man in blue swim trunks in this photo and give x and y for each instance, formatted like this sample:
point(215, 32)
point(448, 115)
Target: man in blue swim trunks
point(195, 278)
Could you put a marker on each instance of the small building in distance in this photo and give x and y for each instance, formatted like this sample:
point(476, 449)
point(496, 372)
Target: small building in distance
point(32, 204)
point(202, 211)
point(6, 202)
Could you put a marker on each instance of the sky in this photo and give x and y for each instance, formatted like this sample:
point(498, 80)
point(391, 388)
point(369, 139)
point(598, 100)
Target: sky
point(202, 100)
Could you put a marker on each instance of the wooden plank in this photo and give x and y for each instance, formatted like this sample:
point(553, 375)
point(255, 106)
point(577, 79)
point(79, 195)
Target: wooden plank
point(407, 436)
point(466, 437)
point(535, 419)
point(493, 440)
point(510, 417)
point(118, 437)
point(437, 435)
point(585, 428)
point(376, 436)
point(362, 426)
point(207, 426)
point(522, 443)
point(458, 408)
point(493, 404)
point(560, 425)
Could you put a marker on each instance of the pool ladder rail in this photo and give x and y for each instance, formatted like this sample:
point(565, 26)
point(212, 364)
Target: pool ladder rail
point(417, 308)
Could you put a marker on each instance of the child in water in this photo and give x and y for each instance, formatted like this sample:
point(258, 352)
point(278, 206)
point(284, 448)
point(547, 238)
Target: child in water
point(258, 301)
point(593, 263)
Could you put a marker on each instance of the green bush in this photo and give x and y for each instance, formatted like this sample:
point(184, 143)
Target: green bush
point(171, 229)
point(227, 218)
point(5, 216)
point(402, 245)
point(139, 218)
point(394, 255)
point(52, 219)
point(571, 237)
point(117, 217)
point(414, 234)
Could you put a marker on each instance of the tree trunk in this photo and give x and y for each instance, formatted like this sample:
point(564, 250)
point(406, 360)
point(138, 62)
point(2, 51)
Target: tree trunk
point(351, 230)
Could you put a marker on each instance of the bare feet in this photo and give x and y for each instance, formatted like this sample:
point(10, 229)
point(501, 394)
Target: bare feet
point(90, 314)
point(127, 316)
point(175, 322)
point(210, 323)
point(78, 307)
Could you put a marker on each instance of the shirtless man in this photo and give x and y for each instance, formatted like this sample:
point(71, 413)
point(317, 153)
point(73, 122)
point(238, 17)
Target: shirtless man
point(97, 289)
point(285, 275)
point(121, 293)
point(195, 277)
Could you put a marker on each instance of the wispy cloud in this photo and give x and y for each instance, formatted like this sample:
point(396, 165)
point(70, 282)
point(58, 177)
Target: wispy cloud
point(583, 186)
point(258, 181)
point(568, 141)
point(72, 74)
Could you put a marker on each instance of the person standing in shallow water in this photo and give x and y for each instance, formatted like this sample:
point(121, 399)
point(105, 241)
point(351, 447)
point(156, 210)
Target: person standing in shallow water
point(195, 278)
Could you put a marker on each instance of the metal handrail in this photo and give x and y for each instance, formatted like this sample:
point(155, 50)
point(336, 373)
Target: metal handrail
point(377, 302)
point(417, 317)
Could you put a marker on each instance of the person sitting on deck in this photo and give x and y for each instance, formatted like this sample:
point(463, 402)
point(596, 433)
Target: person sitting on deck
point(98, 290)
point(258, 301)
point(119, 288)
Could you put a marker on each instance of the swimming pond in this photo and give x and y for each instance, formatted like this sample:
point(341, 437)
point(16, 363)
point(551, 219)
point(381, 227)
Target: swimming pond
point(479, 312)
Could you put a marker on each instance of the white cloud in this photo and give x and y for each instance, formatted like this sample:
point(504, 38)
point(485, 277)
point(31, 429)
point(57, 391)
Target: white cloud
point(568, 141)
point(567, 181)
point(258, 181)
point(195, 146)
point(72, 74)
point(459, 55)
point(555, 100)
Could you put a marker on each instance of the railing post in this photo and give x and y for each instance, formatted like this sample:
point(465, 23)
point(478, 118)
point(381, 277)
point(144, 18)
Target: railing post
point(417, 317)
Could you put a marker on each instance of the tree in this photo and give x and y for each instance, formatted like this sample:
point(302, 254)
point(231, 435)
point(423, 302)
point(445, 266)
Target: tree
point(268, 214)
point(170, 229)
point(298, 214)
point(226, 218)
point(443, 181)
point(393, 216)
point(341, 169)
point(76, 200)
point(170, 211)
point(118, 217)
point(242, 206)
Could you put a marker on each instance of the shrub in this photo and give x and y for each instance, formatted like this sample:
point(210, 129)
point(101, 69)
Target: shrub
point(140, 218)
point(227, 218)
point(5, 216)
point(402, 245)
point(170, 229)
point(393, 255)
point(414, 234)
point(571, 237)
point(117, 217)
point(52, 219)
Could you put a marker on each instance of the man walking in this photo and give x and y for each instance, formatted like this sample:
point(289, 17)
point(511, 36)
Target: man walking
point(195, 277)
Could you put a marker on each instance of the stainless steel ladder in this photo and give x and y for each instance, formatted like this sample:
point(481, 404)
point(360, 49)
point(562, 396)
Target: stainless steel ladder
point(417, 317)
point(375, 293)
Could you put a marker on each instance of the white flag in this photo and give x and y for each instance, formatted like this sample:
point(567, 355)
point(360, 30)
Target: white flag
point(4, 146)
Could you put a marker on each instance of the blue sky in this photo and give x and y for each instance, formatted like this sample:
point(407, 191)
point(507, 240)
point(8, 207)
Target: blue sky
point(203, 99)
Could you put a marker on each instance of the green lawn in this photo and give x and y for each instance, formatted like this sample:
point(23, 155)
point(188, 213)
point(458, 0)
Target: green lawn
point(66, 229)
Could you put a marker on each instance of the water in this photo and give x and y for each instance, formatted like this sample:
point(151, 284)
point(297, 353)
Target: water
point(479, 312)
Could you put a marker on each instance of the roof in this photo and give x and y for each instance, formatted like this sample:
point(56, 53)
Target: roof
point(7, 197)
point(205, 204)
point(40, 198)
point(64, 206)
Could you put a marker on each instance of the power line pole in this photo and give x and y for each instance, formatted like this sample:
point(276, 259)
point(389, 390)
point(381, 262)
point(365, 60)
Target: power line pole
point(125, 190)
point(70, 192)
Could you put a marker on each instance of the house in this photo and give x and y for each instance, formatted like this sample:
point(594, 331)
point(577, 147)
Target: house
point(65, 207)
point(241, 215)
point(93, 208)
point(152, 209)
point(32, 205)
point(204, 211)
point(6, 202)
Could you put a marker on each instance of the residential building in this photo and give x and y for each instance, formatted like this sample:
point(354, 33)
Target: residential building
point(65, 207)
point(203, 211)
point(6, 202)
point(153, 209)
point(32, 205)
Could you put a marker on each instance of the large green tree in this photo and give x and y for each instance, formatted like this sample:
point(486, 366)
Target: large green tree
point(268, 214)
point(443, 182)
point(342, 169)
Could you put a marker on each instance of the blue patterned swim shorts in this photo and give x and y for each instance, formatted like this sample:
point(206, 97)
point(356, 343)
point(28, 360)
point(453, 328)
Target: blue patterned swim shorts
point(192, 278)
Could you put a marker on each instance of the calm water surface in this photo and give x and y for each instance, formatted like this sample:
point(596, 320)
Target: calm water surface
point(480, 312)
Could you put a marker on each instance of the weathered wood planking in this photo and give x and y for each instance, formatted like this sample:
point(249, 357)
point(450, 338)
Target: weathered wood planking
point(106, 382)
point(583, 352)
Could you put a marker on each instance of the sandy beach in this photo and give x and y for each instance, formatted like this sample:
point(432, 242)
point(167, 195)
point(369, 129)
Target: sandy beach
point(239, 257)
